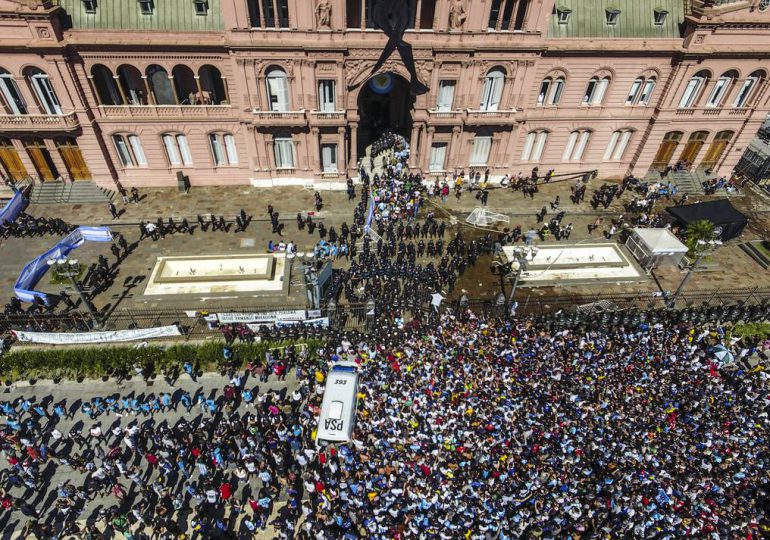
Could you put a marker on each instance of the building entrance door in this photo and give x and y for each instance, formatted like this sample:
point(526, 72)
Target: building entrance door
point(73, 158)
point(716, 149)
point(41, 159)
point(11, 163)
point(692, 148)
point(666, 149)
point(384, 103)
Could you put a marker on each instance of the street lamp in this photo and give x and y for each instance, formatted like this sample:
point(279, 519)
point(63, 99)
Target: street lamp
point(512, 270)
point(70, 268)
point(702, 248)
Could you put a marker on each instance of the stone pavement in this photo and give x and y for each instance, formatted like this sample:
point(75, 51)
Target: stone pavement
point(210, 385)
point(735, 268)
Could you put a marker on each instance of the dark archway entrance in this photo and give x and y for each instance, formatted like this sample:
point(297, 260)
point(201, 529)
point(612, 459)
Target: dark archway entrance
point(384, 103)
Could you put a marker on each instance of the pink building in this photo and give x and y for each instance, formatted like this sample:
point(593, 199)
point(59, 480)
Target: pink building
point(269, 92)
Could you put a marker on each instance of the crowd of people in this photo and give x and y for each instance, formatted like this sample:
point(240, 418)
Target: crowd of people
point(466, 428)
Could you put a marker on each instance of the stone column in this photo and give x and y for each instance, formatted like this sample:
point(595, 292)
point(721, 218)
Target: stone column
point(93, 89)
point(413, 140)
point(227, 90)
point(428, 145)
point(173, 88)
point(450, 162)
point(150, 95)
point(417, 15)
point(270, 155)
point(353, 163)
point(314, 151)
point(254, 142)
point(198, 86)
point(341, 153)
point(116, 78)
point(276, 14)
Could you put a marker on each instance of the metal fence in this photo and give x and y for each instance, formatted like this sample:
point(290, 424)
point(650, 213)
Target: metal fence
point(369, 315)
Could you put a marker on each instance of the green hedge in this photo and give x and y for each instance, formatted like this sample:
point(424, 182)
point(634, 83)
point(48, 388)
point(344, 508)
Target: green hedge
point(759, 330)
point(95, 362)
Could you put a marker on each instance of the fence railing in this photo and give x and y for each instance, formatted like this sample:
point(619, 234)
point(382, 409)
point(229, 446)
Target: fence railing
point(366, 316)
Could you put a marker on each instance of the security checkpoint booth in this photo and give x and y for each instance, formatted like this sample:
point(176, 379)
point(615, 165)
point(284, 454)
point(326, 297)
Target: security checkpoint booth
point(655, 247)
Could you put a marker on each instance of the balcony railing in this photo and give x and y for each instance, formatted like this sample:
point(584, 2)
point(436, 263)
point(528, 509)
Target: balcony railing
point(38, 122)
point(445, 115)
point(281, 118)
point(166, 111)
point(491, 117)
point(712, 111)
point(326, 117)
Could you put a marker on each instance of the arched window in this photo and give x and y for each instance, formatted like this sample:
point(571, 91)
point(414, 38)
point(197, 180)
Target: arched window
point(277, 90)
point(595, 90)
point(501, 14)
point(160, 85)
point(746, 90)
point(213, 85)
point(104, 85)
point(550, 91)
point(533, 145)
point(43, 90)
point(618, 144)
point(177, 149)
point(721, 87)
point(223, 149)
point(130, 151)
point(12, 99)
point(693, 89)
point(641, 90)
point(284, 152)
point(133, 85)
point(480, 147)
point(185, 84)
point(576, 145)
point(492, 92)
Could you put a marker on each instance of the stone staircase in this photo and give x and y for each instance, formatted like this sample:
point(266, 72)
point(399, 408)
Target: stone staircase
point(686, 181)
point(79, 192)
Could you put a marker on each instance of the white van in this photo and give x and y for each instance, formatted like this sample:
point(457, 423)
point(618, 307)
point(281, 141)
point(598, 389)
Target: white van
point(338, 409)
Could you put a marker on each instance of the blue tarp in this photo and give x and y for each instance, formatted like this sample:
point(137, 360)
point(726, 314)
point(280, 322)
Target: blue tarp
point(34, 270)
point(13, 208)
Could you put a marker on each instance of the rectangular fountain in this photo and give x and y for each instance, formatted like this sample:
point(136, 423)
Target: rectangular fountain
point(218, 274)
point(578, 263)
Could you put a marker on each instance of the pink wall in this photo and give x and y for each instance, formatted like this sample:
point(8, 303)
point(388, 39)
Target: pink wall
point(308, 54)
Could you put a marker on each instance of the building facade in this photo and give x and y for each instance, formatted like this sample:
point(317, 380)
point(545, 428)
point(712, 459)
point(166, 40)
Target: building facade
point(272, 92)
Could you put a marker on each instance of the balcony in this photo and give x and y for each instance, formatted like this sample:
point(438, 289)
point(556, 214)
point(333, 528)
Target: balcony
point(444, 117)
point(321, 118)
point(286, 118)
point(38, 122)
point(483, 118)
point(166, 111)
point(709, 112)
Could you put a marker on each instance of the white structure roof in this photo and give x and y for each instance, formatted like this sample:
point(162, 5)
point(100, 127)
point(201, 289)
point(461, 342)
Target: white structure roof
point(660, 241)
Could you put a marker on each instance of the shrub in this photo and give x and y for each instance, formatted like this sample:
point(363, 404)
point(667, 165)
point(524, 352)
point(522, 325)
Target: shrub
point(94, 362)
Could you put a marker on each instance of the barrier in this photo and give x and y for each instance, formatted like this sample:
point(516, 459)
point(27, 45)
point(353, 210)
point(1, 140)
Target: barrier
point(32, 272)
point(13, 208)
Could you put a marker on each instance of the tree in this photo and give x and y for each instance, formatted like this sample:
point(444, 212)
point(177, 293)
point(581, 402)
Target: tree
point(702, 230)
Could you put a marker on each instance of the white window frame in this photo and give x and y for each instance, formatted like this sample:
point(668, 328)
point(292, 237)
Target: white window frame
point(129, 149)
point(659, 17)
point(8, 87)
point(636, 87)
point(533, 145)
point(557, 90)
point(545, 88)
point(612, 16)
point(576, 145)
point(184, 149)
point(647, 90)
point(595, 90)
point(223, 149)
point(329, 150)
point(172, 150)
point(617, 145)
point(718, 92)
point(563, 15)
point(277, 90)
point(45, 93)
point(744, 93)
point(481, 147)
point(327, 95)
point(492, 92)
point(446, 95)
point(284, 153)
point(691, 92)
point(437, 156)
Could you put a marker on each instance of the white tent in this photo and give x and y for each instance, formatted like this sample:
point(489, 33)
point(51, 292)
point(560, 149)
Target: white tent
point(655, 247)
